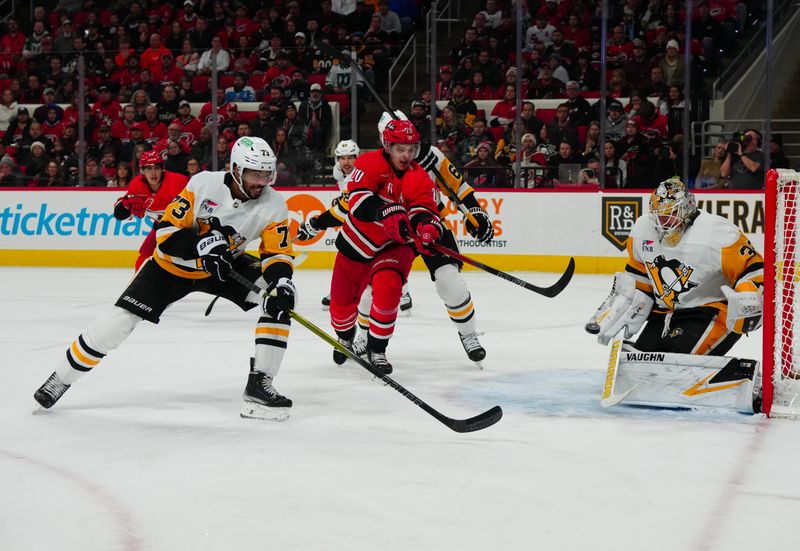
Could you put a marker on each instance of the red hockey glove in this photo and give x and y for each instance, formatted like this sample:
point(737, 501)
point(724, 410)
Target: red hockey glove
point(395, 222)
point(137, 204)
point(428, 232)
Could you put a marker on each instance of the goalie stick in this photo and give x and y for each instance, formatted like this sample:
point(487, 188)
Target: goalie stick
point(345, 62)
point(299, 259)
point(550, 291)
point(481, 421)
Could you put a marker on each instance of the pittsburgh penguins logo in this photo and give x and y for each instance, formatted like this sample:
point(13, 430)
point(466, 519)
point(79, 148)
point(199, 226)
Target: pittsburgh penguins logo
point(671, 278)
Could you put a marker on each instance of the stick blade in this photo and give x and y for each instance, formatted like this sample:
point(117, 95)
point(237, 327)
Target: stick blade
point(561, 284)
point(479, 422)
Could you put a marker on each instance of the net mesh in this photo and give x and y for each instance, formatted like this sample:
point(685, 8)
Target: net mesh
point(785, 375)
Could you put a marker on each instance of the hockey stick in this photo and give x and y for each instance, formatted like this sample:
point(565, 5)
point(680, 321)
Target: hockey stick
point(482, 421)
point(550, 291)
point(345, 62)
point(299, 259)
point(610, 397)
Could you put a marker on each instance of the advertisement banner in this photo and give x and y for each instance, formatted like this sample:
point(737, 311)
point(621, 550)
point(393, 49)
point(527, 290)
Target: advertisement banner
point(533, 230)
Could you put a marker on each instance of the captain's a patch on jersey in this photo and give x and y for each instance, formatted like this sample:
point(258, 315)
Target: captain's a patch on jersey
point(208, 206)
point(619, 215)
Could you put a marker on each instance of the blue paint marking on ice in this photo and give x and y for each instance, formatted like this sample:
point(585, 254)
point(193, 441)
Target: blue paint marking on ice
point(575, 393)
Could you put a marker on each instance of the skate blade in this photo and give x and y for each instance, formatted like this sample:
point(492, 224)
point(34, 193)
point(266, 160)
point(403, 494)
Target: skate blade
point(39, 410)
point(479, 364)
point(251, 410)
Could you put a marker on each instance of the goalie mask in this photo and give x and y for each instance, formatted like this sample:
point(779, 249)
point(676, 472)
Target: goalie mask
point(672, 210)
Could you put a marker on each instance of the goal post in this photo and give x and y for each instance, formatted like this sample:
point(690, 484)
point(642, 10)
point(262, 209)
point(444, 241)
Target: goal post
point(781, 381)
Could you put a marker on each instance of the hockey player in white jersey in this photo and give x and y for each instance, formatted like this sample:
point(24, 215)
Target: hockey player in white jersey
point(692, 287)
point(200, 240)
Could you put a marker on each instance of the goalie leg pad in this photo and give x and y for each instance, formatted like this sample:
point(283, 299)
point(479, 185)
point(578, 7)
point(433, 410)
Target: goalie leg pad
point(626, 306)
point(665, 379)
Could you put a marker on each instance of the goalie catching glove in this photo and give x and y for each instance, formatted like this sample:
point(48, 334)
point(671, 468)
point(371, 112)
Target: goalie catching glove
point(137, 204)
point(214, 255)
point(281, 300)
point(484, 231)
point(307, 230)
point(745, 308)
point(625, 306)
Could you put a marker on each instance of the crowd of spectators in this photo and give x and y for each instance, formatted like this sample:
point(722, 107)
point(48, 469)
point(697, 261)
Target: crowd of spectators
point(560, 61)
point(146, 61)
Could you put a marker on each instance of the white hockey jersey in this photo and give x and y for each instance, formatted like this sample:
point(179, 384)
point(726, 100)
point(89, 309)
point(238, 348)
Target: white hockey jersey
point(711, 253)
point(206, 196)
point(340, 177)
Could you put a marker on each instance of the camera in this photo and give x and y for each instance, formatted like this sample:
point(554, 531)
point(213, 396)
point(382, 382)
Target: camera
point(738, 138)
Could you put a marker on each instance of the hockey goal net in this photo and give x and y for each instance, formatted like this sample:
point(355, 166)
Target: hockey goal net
point(781, 392)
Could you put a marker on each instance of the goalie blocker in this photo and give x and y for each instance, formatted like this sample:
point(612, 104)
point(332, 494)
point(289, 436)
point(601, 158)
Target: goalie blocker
point(669, 380)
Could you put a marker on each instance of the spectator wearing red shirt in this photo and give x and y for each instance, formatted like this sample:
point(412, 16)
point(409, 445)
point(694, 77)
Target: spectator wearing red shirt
point(619, 50)
point(121, 129)
point(444, 88)
point(106, 110)
point(222, 110)
point(167, 72)
point(13, 41)
point(151, 57)
point(579, 36)
point(52, 127)
point(652, 124)
point(279, 74)
point(505, 110)
point(478, 89)
point(187, 16)
point(189, 125)
point(153, 130)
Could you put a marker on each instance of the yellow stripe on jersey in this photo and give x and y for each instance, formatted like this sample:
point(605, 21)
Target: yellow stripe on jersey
point(743, 265)
point(638, 270)
point(452, 179)
point(178, 215)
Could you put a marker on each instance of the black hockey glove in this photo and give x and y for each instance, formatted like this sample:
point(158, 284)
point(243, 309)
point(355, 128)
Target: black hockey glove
point(214, 255)
point(307, 230)
point(484, 231)
point(282, 299)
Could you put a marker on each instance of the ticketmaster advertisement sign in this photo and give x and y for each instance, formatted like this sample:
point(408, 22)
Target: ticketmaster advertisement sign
point(533, 230)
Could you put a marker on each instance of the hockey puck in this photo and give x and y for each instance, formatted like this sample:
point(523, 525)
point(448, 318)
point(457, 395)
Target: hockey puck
point(592, 328)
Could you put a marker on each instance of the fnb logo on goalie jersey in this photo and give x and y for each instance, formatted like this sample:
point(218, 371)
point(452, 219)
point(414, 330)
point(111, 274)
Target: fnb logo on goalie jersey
point(619, 215)
point(208, 206)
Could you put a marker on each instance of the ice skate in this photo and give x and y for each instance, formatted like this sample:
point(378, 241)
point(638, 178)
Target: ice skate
point(49, 393)
point(473, 348)
point(379, 361)
point(406, 303)
point(262, 401)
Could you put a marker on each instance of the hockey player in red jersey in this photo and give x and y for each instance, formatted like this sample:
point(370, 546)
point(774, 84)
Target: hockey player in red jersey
point(391, 202)
point(148, 195)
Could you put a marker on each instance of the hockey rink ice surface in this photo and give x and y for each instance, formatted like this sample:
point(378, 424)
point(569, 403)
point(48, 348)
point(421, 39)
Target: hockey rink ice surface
point(148, 451)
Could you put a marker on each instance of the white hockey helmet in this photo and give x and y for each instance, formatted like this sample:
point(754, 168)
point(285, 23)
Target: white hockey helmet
point(384, 120)
point(253, 153)
point(672, 209)
point(346, 147)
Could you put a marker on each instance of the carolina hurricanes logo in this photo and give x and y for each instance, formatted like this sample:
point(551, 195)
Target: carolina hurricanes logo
point(281, 81)
point(219, 120)
point(671, 279)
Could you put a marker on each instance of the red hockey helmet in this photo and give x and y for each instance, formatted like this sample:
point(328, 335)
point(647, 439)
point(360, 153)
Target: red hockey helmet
point(150, 158)
point(399, 131)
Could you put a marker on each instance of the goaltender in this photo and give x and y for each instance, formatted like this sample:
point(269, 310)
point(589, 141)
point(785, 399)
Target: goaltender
point(692, 287)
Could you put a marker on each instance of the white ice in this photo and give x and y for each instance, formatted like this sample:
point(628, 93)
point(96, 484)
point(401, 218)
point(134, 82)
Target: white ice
point(148, 451)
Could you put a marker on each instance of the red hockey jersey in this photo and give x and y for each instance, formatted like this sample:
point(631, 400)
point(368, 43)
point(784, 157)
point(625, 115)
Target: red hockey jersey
point(373, 183)
point(171, 186)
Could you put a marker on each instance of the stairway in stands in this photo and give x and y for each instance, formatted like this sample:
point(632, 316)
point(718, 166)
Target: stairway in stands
point(405, 93)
